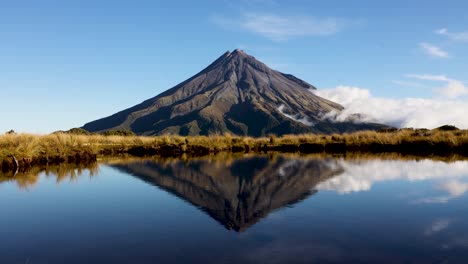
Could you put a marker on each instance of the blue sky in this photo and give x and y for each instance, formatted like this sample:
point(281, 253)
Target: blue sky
point(64, 63)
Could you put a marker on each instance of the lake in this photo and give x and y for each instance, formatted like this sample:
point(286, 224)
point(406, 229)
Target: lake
point(243, 209)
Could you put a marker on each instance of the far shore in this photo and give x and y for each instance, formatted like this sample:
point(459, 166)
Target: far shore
point(19, 151)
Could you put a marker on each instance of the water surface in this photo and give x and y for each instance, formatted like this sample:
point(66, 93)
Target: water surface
point(250, 209)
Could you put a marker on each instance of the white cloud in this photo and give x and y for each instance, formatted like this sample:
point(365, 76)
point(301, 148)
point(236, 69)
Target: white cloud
point(429, 77)
point(452, 89)
point(406, 112)
point(433, 51)
point(297, 117)
point(456, 36)
point(280, 28)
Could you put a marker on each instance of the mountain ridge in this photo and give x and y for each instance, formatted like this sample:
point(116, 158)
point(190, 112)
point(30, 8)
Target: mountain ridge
point(235, 94)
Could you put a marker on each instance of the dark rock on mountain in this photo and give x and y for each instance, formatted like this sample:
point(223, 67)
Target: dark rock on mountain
point(236, 94)
point(232, 192)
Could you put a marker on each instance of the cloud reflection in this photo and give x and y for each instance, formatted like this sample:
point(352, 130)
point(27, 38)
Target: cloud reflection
point(437, 226)
point(361, 176)
point(454, 188)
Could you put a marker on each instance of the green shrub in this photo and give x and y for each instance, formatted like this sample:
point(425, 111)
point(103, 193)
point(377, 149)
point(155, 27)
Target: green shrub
point(78, 131)
point(125, 133)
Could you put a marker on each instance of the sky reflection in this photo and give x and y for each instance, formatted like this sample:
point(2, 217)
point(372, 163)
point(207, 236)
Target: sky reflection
point(249, 209)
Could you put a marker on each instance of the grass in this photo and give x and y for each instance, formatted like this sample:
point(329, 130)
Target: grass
point(410, 141)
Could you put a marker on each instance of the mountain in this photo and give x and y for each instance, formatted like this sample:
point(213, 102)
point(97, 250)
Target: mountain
point(231, 192)
point(236, 94)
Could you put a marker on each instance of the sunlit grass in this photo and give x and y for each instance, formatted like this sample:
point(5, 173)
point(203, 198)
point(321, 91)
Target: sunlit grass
point(63, 144)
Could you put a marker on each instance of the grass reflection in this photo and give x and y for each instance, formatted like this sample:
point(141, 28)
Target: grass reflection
point(30, 177)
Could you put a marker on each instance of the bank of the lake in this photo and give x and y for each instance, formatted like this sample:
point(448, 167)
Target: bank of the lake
point(25, 150)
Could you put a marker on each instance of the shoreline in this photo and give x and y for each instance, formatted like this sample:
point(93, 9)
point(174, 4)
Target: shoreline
point(31, 150)
point(28, 176)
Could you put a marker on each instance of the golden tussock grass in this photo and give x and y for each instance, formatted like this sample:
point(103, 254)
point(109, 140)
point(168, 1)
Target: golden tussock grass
point(61, 144)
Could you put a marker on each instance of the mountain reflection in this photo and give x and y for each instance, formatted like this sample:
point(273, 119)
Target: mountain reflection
point(240, 192)
point(30, 177)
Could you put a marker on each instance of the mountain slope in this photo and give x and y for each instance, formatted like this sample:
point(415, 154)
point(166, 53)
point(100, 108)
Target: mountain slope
point(236, 94)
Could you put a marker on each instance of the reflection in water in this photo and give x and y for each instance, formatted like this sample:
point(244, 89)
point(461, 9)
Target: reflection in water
point(361, 211)
point(451, 177)
point(437, 226)
point(30, 177)
point(240, 192)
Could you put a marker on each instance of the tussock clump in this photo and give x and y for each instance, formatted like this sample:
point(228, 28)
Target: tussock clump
point(447, 128)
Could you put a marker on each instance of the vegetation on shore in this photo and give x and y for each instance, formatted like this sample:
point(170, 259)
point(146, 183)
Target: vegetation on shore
point(73, 147)
point(29, 177)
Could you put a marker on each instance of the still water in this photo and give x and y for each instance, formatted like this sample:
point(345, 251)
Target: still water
point(249, 209)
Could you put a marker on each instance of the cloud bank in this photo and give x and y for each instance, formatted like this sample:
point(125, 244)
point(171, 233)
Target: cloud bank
point(406, 112)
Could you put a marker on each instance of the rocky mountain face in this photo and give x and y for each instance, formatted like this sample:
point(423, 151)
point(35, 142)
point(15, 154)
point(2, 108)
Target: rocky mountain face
point(236, 193)
point(236, 94)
